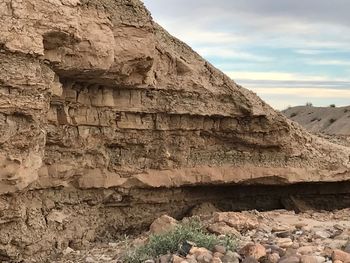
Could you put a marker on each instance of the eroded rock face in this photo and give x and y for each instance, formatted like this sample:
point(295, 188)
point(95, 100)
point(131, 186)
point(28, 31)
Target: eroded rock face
point(96, 97)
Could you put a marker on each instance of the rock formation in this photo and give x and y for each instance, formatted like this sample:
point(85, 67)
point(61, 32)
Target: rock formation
point(105, 118)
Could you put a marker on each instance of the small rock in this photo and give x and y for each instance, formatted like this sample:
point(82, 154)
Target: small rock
point(290, 259)
point(347, 247)
point(230, 257)
point(177, 259)
point(220, 249)
point(249, 260)
point(56, 216)
point(308, 259)
point(295, 245)
point(196, 251)
point(283, 234)
point(218, 255)
point(237, 220)
point(306, 228)
point(284, 242)
point(275, 249)
point(149, 261)
point(320, 259)
point(291, 252)
point(338, 227)
point(335, 244)
point(204, 258)
point(68, 250)
point(163, 224)
point(190, 259)
point(322, 234)
point(340, 255)
point(216, 260)
point(253, 250)
point(273, 258)
point(165, 258)
point(221, 228)
point(306, 250)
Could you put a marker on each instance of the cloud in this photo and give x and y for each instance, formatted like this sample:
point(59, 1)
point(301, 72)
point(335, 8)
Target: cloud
point(329, 62)
point(228, 53)
point(280, 49)
point(312, 51)
point(272, 76)
point(306, 92)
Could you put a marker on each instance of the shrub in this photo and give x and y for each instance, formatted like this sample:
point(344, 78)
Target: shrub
point(293, 114)
point(332, 120)
point(169, 242)
point(332, 105)
point(308, 104)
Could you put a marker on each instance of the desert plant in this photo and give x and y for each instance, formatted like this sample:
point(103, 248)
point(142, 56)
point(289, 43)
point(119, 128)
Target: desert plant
point(169, 242)
point(332, 120)
point(332, 105)
point(308, 104)
point(293, 114)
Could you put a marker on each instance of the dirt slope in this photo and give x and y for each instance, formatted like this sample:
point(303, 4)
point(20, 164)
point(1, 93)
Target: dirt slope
point(105, 118)
point(328, 120)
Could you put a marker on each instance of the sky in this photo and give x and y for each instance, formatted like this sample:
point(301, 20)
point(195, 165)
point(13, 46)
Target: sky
point(287, 51)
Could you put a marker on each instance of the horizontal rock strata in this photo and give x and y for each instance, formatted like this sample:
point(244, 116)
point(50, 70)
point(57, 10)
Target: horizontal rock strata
point(95, 97)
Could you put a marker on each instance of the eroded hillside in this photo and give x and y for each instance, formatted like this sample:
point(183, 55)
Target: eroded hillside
point(328, 120)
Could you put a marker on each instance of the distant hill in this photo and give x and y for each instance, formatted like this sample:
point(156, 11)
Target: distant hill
point(327, 120)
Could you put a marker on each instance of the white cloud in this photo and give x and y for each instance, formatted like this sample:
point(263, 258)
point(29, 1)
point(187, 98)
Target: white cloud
point(198, 34)
point(312, 51)
point(305, 92)
point(329, 62)
point(227, 53)
point(270, 75)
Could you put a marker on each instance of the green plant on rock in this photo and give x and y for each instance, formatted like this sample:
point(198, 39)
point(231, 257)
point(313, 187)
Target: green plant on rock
point(191, 230)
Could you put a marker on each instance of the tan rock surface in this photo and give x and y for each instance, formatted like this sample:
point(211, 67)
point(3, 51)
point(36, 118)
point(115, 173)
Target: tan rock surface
point(163, 224)
point(99, 106)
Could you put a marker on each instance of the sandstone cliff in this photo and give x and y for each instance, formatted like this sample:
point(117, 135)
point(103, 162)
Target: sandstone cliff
point(101, 111)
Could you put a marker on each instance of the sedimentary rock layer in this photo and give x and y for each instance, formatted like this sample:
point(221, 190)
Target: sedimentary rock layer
point(95, 96)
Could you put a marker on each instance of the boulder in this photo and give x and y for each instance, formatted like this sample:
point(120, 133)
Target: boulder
point(253, 250)
point(163, 224)
point(340, 255)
